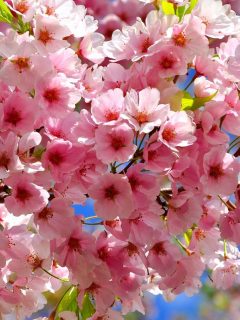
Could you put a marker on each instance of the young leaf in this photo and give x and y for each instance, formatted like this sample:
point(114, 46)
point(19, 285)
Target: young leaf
point(68, 302)
point(180, 12)
point(23, 27)
point(192, 5)
point(168, 8)
point(190, 103)
point(188, 236)
point(187, 101)
point(87, 307)
point(5, 13)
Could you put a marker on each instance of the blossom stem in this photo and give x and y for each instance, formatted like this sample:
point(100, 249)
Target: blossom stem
point(228, 204)
point(93, 224)
point(182, 246)
point(52, 275)
point(141, 142)
point(234, 140)
point(234, 145)
point(225, 249)
point(90, 218)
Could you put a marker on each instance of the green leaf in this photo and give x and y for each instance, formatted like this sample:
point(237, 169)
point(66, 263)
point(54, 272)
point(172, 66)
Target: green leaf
point(188, 236)
point(168, 8)
point(5, 13)
point(87, 309)
point(180, 12)
point(38, 152)
point(192, 5)
point(68, 302)
point(187, 101)
point(22, 27)
point(190, 103)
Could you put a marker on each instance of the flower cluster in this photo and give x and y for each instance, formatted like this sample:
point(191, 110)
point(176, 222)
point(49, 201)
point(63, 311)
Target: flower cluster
point(93, 105)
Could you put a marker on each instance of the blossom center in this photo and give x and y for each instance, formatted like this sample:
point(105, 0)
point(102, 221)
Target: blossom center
point(45, 214)
point(142, 117)
point(132, 249)
point(167, 63)
point(13, 117)
point(215, 171)
point(56, 158)
point(159, 249)
point(168, 134)
point(73, 244)
point(111, 192)
point(22, 63)
point(23, 194)
point(103, 253)
point(34, 261)
point(152, 155)
point(180, 39)
point(117, 143)
point(44, 36)
point(51, 95)
point(93, 288)
point(4, 160)
point(145, 45)
point(49, 10)
point(111, 116)
point(200, 235)
point(22, 7)
point(133, 182)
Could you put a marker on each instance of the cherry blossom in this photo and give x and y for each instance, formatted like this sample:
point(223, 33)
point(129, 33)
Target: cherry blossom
point(124, 107)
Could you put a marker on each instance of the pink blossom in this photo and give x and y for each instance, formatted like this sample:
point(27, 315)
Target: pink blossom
point(87, 173)
point(162, 255)
point(158, 157)
point(56, 94)
point(169, 62)
point(219, 20)
point(113, 196)
point(49, 34)
point(145, 187)
point(77, 248)
point(219, 172)
point(91, 47)
point(52, 220)
point(178, 131)
point(9, 161)
point(62, 157)
point(106, 108)
point(26, 196)
point(26, 8)
point(225, 273)
point(189, 37)
point(85, 130)
point(74, 124)
point(115, 143)
point(19, 113)
point(143, 110)
point(184, 211)
point(229, 226)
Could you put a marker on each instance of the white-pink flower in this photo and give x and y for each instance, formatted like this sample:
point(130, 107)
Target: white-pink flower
point(19, 113)
point(56, 94)
point(115, 143)
point(107, 108)
point(113, 196)
point(220, 172)
point(178, 131)
point(26, 196)
point(143, 110)
point(49, 34)
point(62, 157)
